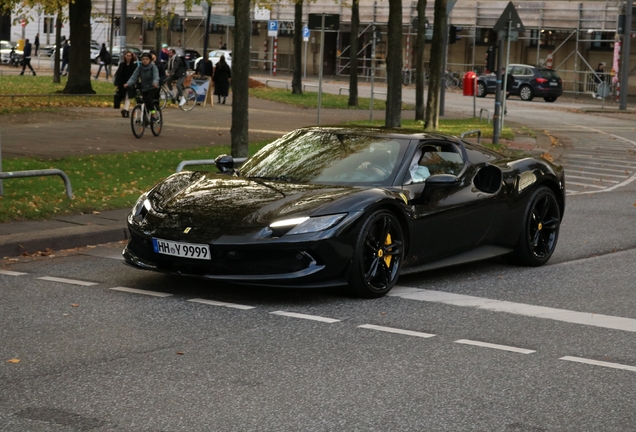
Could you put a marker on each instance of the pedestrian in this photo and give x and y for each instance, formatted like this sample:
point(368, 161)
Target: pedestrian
point(176, 72)
point(66, 52)
point(148, 76)
point(125, 70)
point(599, 78)
point(161, 67)
point(221, 78)
point(164, 55)
point(36, 43)
point(104, 61)
point(27, 57)
point(206, 65)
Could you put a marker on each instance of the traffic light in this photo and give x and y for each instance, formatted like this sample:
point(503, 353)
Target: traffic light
point(452, 34)
point(491, 54)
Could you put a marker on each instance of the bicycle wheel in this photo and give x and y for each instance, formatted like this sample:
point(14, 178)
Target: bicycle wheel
point(190, 99)
point(137, 121)
point(156, 127)
point(164, 97)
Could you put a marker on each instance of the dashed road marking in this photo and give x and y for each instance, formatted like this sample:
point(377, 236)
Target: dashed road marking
point(564, 315)
point(11, 273)
point(303, 316)
point(143, 292)
point(494, 346)
point(223, 304)
point(68, 281)
point(396, 330)
point(599, 363)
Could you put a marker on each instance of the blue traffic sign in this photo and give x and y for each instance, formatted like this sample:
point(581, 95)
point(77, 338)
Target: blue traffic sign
point(272, 25)
point(305, 31)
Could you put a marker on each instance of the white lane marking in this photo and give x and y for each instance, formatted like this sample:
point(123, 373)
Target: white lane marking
point(575, 167)
point(599, 363)
point(594, 178)
point(587, 185)
point(218, 303)
point(396, 330)
point(564, 315)
point(144, 292)
point(11, 273)
point(68, 281)
point(597, 174)
point(494, 346)
point(303, 316)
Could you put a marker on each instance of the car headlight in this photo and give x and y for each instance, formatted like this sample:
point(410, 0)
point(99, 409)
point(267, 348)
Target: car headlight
point(142, 207)
point(304, 225)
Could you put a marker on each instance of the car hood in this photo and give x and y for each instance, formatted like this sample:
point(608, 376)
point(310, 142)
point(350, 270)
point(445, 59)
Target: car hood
point(220, 205)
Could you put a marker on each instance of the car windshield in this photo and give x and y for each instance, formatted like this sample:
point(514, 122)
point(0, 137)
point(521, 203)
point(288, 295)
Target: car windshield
point(319, 157)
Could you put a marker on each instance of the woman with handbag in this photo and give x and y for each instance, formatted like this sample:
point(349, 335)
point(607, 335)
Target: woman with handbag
point(124, 71)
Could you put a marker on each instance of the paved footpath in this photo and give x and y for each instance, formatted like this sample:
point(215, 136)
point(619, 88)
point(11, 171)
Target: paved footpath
point(82, 131)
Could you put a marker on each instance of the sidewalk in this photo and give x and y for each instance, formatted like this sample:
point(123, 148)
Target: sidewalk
point(78, 132)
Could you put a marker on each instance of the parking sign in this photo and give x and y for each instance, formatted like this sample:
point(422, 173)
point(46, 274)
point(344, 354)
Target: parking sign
point(272, 28)
point(305, 33)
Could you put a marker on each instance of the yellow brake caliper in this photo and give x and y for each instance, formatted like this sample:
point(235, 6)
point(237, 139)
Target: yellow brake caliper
point(387, 258)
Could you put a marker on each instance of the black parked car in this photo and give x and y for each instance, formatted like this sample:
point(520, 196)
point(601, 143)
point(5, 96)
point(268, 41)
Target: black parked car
point(529, 81)
point(327, 206)
point(191, 56)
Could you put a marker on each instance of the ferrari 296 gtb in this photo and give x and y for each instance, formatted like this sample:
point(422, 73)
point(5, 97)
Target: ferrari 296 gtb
point(356, 206)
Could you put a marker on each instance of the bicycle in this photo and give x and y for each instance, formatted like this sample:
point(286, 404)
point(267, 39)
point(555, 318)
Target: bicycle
point(140, 118)
point(165, 95)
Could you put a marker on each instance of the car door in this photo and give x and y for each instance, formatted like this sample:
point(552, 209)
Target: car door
point(447, 217)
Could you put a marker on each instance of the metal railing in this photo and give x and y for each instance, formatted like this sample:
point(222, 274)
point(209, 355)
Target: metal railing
point(39, 173)
point(277, 81)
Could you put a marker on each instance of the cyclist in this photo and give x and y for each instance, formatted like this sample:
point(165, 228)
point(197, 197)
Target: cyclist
point(148, 75)
point(177, 72)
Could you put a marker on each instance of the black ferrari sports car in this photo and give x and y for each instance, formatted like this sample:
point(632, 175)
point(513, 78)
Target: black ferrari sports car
point(356, 206)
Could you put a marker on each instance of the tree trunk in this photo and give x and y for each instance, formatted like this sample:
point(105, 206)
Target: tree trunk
point(394, 66)
point(353, 48)
point(58, 47)
point(79, 76)
point(435, 78)
point(240, 78)
point(420, 71)
point(297, 86)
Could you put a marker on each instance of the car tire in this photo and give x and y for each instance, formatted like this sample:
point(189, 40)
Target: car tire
point(378, 255)
point(539, 231)
point(525, 93)
point(549, 98)
point(481, 90)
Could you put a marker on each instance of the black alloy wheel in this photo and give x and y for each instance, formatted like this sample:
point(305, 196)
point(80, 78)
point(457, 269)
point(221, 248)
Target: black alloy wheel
point(525, 93)
point(378, 255)
point(540, 230)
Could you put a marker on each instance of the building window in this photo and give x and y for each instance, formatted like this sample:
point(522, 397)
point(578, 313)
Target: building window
point(49, 25)
point(545, 38)
point(602, 41)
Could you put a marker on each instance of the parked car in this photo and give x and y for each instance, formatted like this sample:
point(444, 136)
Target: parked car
point(5, 51)
point(328, 206)
point(191, 56)
point(215, 56)
point(529, 81)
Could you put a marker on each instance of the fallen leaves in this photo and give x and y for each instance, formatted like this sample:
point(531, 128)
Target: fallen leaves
point(547, 156)
point(13, 360)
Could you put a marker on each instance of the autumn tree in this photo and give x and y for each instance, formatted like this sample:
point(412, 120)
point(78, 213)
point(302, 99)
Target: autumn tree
point(420, 72)
point(435, 77)
point(353, 56)
point(240, 78)
point(79, 76)
point(394, 66)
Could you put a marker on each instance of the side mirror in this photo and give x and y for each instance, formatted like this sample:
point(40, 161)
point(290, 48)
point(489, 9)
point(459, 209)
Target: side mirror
point(442, 180)
point(225, 163)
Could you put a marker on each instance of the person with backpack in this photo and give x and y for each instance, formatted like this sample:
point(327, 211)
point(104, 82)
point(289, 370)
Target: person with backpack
point(177, 70)
point(104, 61)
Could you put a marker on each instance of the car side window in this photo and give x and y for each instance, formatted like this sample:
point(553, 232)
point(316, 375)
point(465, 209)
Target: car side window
point(435, 158)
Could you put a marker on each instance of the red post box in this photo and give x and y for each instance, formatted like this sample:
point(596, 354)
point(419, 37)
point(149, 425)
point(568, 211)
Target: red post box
point(468, 83)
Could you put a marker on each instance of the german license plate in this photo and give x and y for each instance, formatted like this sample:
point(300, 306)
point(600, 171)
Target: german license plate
point(554, 84)
point(180, 249)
